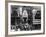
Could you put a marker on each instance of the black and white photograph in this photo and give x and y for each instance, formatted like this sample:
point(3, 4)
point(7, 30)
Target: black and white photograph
point(25, 18)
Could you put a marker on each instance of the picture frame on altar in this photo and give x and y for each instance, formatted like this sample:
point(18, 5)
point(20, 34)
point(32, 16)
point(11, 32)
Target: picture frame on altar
point(26, 18)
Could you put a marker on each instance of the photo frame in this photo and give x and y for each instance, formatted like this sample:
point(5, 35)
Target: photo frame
point(26, 18)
